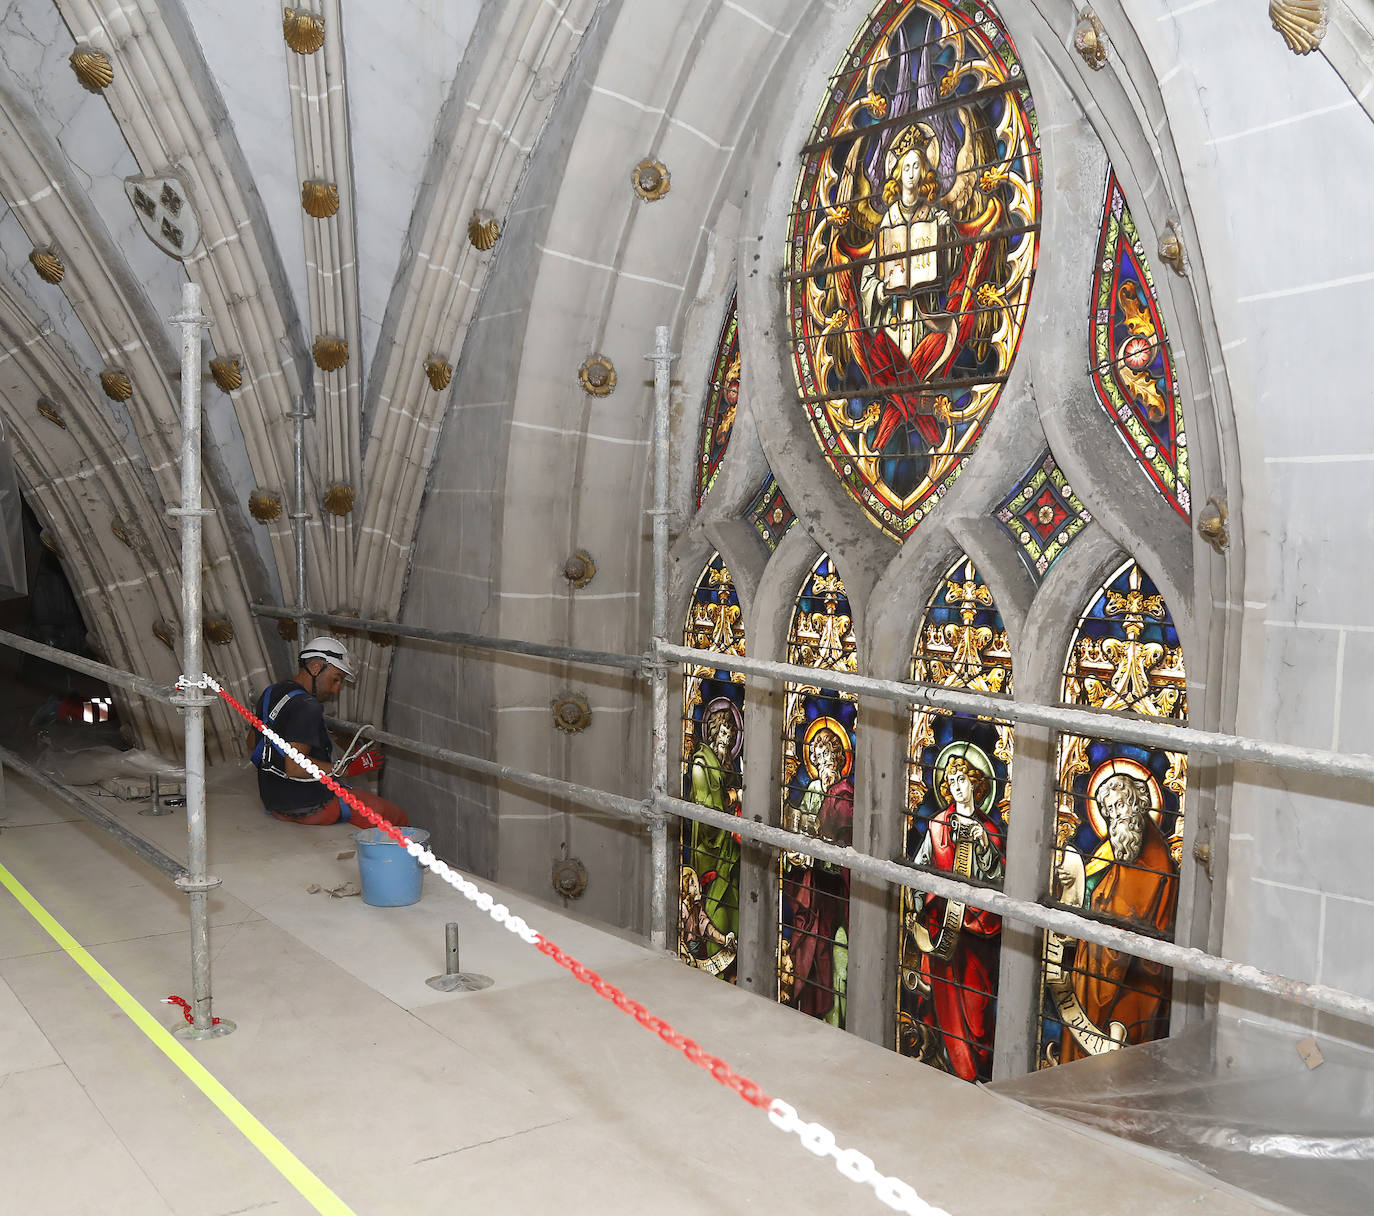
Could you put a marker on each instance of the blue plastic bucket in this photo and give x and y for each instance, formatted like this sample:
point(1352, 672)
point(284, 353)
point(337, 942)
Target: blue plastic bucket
point(390, 876)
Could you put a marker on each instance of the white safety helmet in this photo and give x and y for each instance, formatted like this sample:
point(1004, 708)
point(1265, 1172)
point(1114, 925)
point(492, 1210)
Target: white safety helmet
point(332, 651)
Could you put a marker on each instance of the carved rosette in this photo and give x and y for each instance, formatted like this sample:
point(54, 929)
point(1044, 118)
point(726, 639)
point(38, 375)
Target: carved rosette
point(286, 630)
point(93, 68)
point(1302, 23)
point(1090, 41)
point(116, 384)
point(227, 374)
point(264, 506)
point(303, 31)
point(483, 230)
point(439, 374)
point(651, 179)
point(571, 713)
point(579, 569)
point(49, 411)
point(320, 198)
point(48, 265)
point(597, 376)
point(330, 353)
point(569, 877)
point(217, 631)
point(338, 499)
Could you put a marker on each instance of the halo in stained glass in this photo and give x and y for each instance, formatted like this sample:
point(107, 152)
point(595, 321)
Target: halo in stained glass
point(958, 793)
point(1119, 827)
point(819, 726)
point(712, 762)
point(1042, 515)
point(722, 400)
point(769, 513)
point(911, 251)
point(1133, 370)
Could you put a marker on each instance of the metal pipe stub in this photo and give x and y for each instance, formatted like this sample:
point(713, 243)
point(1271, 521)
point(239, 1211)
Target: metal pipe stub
point(454, 978)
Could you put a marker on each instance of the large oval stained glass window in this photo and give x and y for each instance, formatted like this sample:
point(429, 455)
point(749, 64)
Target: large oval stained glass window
point(911, 250)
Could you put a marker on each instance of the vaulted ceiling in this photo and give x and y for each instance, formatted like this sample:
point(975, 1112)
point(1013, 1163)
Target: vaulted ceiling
point(315, 172)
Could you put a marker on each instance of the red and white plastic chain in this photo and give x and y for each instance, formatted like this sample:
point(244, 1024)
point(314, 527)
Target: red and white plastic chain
point(186, 1008)
point(815, 1138)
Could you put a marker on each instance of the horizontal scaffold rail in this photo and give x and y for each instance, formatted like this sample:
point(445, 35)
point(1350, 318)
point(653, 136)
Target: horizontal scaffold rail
point(543, 650)
point(100, 817)
point(111, 675)
point(1096, 723)
point(1058, 920)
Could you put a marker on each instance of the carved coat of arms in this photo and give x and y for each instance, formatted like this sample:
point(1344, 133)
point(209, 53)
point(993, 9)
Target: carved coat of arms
point(164, 209)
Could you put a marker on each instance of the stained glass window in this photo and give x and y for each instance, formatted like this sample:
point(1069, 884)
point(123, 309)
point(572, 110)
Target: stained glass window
point(1133, 369)
point(722, 399)
point(817, 800)
point(911, 250)
point(1119, 819)
point(958, 791)
point(1042, 515)
point(769, 513)
point(712, 760)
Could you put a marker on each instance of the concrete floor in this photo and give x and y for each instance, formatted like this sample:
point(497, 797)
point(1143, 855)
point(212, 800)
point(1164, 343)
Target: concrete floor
point(534, 1095)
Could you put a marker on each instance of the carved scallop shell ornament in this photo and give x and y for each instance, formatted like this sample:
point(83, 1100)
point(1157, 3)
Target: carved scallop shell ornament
point(49, 411)
point(116, 383)
point(1090, 41)
point(1171, 249)
point(48, 265)
point(338, 499)
point(1301, 22)
point(93, 68)
point(320, 198)
point(439, 374)
point(304, 32)
point(264, 506)
point(483, 230)
point(163, 631)
point(227, 374)
point(218, 631)
point(330, 353)
point(286, 629)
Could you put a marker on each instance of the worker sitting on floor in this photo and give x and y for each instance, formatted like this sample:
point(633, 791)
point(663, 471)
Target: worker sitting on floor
point(294, 710)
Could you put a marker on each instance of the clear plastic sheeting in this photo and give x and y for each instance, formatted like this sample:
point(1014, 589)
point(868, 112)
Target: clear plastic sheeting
point(1237, 1099)
point(14, 579)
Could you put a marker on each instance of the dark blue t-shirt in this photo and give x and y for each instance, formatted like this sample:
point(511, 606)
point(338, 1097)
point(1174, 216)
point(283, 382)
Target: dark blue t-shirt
point(297, 717)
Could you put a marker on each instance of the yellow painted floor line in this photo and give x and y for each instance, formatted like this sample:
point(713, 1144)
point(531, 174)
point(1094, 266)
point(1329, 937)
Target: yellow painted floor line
point(319, 1196)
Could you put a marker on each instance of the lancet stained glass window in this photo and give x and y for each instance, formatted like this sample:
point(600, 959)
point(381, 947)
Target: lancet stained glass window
point(722, 399)
point(817, 800)
point(958, 792)
point(1133, 369)
point(911, 250)
point(1119, 825)
point(712, 761)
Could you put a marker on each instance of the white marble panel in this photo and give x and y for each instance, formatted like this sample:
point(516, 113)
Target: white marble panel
point(1347, 961)
point(1322, 529)
point(402, 58)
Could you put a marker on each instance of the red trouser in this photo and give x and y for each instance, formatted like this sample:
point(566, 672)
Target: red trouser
point(330, 812)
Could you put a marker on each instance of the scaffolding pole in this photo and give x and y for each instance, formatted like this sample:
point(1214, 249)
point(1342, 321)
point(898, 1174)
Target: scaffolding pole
point(192, 702)
point(658, 669)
